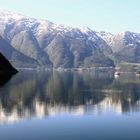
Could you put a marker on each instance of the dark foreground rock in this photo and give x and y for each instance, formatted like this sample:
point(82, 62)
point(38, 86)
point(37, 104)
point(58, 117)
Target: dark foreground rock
point(6, 69)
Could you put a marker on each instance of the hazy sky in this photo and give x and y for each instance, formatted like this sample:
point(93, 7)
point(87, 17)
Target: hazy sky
point(109, 15)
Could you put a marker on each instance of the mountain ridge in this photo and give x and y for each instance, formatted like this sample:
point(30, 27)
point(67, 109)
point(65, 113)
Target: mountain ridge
point(52, 45)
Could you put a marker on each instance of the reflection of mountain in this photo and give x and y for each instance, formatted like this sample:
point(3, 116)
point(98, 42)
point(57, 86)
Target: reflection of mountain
point(33, 94)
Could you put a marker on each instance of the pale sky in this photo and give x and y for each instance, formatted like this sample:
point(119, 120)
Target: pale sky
point(108, 15)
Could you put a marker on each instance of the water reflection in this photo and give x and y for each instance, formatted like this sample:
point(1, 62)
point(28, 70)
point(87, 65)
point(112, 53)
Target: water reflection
point(40, 94)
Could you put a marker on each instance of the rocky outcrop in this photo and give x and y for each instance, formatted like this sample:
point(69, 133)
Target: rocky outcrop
point(5, 67)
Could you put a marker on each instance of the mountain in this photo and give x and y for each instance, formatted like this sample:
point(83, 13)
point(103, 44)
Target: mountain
point(17, 58)
point(125, 46)
point(50, 45)
point(41, 43)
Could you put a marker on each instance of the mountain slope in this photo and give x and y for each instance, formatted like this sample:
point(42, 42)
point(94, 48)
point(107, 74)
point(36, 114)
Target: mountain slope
point(16, 58)
point(52, 45)
point(125, 46)
point(40, 43)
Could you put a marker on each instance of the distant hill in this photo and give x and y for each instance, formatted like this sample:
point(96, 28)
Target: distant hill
point(31, 42)
point(125, 46)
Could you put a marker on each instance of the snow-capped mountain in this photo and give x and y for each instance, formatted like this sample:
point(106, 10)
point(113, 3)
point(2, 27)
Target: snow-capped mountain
point(53, 45)
point(104, 35)
point(126, 38)
point(125, 46)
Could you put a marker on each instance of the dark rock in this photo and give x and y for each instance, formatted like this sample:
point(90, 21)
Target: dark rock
point(5, 67)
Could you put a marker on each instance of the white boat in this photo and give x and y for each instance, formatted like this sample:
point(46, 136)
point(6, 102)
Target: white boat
point(117, 74)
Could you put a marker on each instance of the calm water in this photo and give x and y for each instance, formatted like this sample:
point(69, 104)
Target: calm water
point(88, 105)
